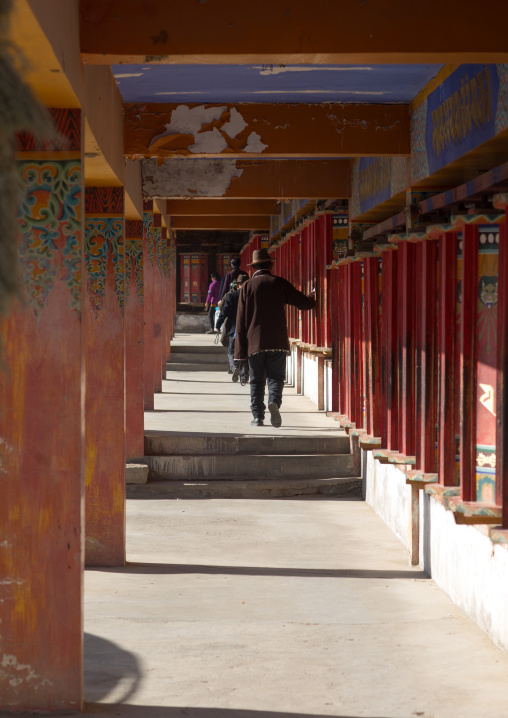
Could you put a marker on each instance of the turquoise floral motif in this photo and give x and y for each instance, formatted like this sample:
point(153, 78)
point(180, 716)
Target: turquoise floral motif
point(148, 234)
point(134, 261)
point(104, 239)
point(49, 217)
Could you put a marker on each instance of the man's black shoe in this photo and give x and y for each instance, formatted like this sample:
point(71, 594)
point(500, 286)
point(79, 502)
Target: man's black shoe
point(274, 414)
point(257, 421)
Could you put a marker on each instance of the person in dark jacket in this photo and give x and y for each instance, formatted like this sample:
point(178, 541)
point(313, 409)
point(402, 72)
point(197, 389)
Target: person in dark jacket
point(228, 314)
point(262, 336)
point(230, 276)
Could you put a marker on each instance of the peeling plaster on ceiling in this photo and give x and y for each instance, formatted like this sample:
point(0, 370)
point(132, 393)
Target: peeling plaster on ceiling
point(254, 143)
point(179, 178)
point(187, 124)
point(189, 121)
point(273, 83)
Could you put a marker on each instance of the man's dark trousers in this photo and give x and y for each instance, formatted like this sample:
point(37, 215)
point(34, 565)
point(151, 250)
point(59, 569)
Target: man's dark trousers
point(266, 368)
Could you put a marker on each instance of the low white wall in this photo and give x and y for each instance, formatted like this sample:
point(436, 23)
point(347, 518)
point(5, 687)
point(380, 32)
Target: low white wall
point(328, 385)
point(310, 378)
point(462, 560)
point(291, 368)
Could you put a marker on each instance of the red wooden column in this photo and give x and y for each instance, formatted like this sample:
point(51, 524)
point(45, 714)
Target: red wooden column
point(148, 304)
point(41, 468)
point(341, 339)
point(356, 314)
point(172, 259)
point(372, 364)
point(405, 348)
point(157, 304)
point(389, 351)
point(134, 340)
point(103, 318)
point(306, 317)
point(164, 300)
point(326, 254)
point(426, 305)
point(468, 379)
point(502, 377)
point(334, 334)
point(447, 332)
point(348, 344)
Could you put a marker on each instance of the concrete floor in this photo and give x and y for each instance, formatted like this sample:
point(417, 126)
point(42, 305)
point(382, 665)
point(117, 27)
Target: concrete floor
point(268, 608)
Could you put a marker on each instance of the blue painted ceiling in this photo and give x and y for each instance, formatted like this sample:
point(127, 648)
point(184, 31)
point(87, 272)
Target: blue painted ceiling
point(272, 83)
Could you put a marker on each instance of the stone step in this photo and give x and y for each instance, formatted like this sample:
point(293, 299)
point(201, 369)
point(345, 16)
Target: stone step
point(167, 444)
point(193, 358)
point(263, 489)
point(250, 467)
point(188, 366)
point(212, 348)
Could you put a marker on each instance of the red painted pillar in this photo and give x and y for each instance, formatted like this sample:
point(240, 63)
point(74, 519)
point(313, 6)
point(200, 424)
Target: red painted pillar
point(502, 377)
point(356, 313)
point(172, 259)
point(134, 340)
point(157, 304)
point(334, 334)
point(41, 468)
point(447, 332)
point(389, 353)
point(148, 304)
point(426, 306)
point(405, 353)
point(342, 353)
point(372, 363)
point(468, 380)
point(326, 277)
point(103, 317)
point(164, 300)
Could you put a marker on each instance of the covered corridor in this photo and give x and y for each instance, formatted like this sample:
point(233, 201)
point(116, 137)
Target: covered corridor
point(255, 608)
point(146, 145)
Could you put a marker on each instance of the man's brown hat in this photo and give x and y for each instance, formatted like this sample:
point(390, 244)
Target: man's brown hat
point(259, 256)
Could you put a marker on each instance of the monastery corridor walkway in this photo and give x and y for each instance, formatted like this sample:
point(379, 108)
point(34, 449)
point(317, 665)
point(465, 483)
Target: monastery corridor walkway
point(249, 608)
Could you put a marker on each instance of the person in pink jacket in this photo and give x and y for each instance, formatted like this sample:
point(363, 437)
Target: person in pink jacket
point(212, 300)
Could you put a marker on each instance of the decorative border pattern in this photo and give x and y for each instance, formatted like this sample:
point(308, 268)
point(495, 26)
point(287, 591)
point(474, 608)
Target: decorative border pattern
point(502, 99)
point(104, 240)
point(104, 200)
point(159, 249)
point(419, 159)
point(134, 228)
point(148, 205)
point(50, 220)
point(148, 234)
point(68, 139)
point(134, 263)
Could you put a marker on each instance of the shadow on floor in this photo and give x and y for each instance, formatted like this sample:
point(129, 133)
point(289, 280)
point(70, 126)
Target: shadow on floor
point(130, 711)
point(109, 667)
point(177, 568)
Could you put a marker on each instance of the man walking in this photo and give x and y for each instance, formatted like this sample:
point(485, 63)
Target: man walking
point(262, 336)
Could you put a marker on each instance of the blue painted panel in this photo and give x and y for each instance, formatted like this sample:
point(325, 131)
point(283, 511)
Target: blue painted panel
point(272, 83)
point(461, 114)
